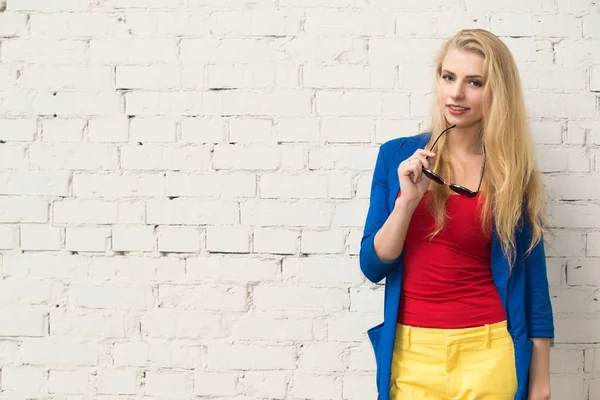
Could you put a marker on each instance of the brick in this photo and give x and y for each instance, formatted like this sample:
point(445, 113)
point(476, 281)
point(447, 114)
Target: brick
point(162, 158)
point(271, 298)
point(577, 52)
point(593, 244)
point(323, 242)
point(40, 237)
point(595, 79)
point(26, 183)
point(338, 327)
point(337, 157)
point(175, 356)
point(233, 269)
point(68, 78)
point(130, 354)
point(251, 131)
point(68, 382)
point(45, 351)
point(85, 211)
point(246, 158)
point(347, 130)
point(153, 130)
point(546, 132)
point(235, 184)
point(336, 77)
point(555, 78)
point(280, 102)
point(14, 103)
point(25, 210)
point(43, 6)
point(323, 357)
point(366, 300)
point(62, 130)
point(132, 51)
point(71, 25)
point(564, 243)
point(182, 324)
point(332, 22)
point(12, 24)
point(72, 156)
point(277, 186)
point(88, 239)
point(203, 297)
point(9, 237)
point(98, 185)
point(580, 300)
point(215, 383)
point(19, 321)
point(108, 130)
point(45, 51)
point(357, 386)
point(89, 326)
point(528, 24)
point(315, 386)
point(575, 215)
point(251, 326)
point(133, 238)
point(275, 240)
point(255, 23)
point(24, 379)
point(172, 385)
point(228, 239)
point(272, 213)
point(116, 298)
point(236, 76)
point(187, 212)
point(202, 130)
point(351, 214)
point(117, 382)
point(566, 360)
point(250, 357)
point(266, 384)
point(143, 4)
point(179, 22)
point(176, 239)
point(17, 130)
point(77, 104)
point(567, 386)
point(576, 330)
point(388, 129)
point(29, 292)
point(322, 270)
point(153, 77)
point(297, 130)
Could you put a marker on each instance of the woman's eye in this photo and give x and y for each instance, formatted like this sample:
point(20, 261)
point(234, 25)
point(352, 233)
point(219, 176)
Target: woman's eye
point(476, 83)
point(447, 77)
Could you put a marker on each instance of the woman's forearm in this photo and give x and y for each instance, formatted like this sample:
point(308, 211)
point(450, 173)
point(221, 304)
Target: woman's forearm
point(539, 370)
point(389, 240)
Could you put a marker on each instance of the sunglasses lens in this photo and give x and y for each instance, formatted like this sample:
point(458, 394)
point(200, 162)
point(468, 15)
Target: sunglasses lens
point(463, 191)
point(431, 175)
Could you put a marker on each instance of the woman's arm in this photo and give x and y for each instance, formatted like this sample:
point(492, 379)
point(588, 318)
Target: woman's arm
point(539, 371)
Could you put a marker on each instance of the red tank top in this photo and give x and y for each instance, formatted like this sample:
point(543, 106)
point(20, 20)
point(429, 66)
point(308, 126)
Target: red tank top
point(447, 282)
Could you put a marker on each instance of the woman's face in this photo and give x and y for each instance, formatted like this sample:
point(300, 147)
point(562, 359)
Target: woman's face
point(461, 88)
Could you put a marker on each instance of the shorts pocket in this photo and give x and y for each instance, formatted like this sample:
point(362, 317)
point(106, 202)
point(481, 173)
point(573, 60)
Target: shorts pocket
point(523, 353)
point(375, 337)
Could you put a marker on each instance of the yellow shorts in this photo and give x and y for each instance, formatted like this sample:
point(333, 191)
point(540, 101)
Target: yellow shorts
point(453, 364)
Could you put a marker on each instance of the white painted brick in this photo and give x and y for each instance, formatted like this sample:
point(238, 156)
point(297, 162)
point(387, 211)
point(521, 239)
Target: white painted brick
point(555, 268)
point(309, 385)
point(251, 158)
point(9, 237)
point(28, 291)
point(45, 51)
point(594, 358)
point(161, 158)
point(68, 78)
point(265, 384)
point(572, 187)
point(132, 51)
point(17, 130)
point(338, 327)
point(275, 240)
point(527, 24)
point(277, 186)
point(67, 353)
point(72, 156)
point(567, 386)
point(43, 6)
point(576, 52)
point(343, 158)
point(179, 22)
point(565, 360)
point(175, 356)
point(214, 185)
point(564, 243)
point(71, 25)
point(148, 4)
point(40, 237)
point(388, 129)
point(336, 76)
point(348, 103)
point(347, 130)
point(203, 297)
point(366, 300)
point(281, 102)
point(580, 300)
point(215, 383)
point(172, 385)
point(85, 211)
point(108, 130)
point(297, 130)
point(561, 105)
point(575, 215)
point(117, 186)
point(178, 239)
point(255, 23)
point(117, 381)
point(68, 382)
point(313, 3)
point(323, 357)
point(350, 214)
point(117, 298)
point(153, 77)
point(202, 130)
point(348, 23)
point(560, 79)
point(130, 354)
point(546, 132)
point(251, 131)
point(273, 213)
point(55, 183)
point(12, 24)
point(26, 210)
point(251, 326)
point(13, 379)
point(583, 272)
point(15, 103)
point(321, 269)
point(353, 240)
point(62, 130)
point(152, 130)
point(593, 244)
point(22, 321)
point(294, 157)
point(182, 324)
point(131, 213)
point(409, 51)
point(186, 212)
point(576, 330)
point(228, 239)
point(595, 79)
point(358, 386)
point(89, 326)
point(77, 104)
point(133, 238)
point(250, 357)
point(276, 298)
point(594, 388)
point(323, 242)
point(127, 269)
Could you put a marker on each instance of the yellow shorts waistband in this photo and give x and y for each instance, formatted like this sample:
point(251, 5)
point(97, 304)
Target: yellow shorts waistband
point(484, 333)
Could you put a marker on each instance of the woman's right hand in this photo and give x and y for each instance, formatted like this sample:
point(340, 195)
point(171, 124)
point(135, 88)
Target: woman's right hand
point(413, 182)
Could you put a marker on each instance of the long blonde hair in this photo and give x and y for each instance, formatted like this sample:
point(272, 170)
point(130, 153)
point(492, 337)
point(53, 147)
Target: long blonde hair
point(511, 179)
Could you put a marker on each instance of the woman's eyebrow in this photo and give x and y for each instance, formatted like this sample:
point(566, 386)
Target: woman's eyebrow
point(468, 76)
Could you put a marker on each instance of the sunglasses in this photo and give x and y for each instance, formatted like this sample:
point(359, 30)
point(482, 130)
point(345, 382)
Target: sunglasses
point(453, 186)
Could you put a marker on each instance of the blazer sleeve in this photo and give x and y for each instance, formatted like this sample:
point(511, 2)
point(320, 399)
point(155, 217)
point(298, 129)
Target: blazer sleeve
point(370, 264)
point(538, 307)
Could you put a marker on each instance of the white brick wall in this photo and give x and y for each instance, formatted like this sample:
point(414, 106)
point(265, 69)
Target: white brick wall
point(184, 182)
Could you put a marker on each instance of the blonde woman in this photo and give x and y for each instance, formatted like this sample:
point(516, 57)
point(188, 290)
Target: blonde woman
point(455, 227)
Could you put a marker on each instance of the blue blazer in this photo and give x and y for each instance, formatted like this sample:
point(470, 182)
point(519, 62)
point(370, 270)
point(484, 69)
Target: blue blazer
point(523, 291)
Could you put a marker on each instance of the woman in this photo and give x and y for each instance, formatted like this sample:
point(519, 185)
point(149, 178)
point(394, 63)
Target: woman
point(455, 227)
